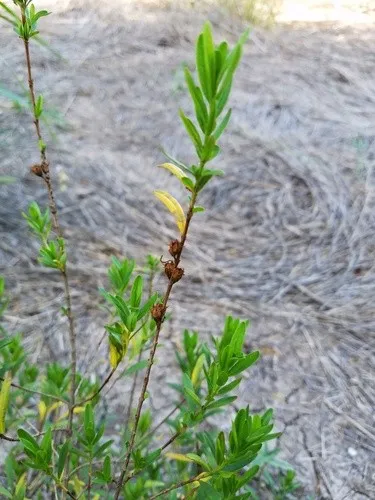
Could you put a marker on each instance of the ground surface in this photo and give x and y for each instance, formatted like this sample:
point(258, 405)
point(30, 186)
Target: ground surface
point(288, 238)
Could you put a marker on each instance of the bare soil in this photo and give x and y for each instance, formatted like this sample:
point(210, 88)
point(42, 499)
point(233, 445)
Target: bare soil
point(288, 237)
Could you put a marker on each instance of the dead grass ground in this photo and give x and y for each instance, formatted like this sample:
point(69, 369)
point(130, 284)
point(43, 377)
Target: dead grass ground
point(289, 235)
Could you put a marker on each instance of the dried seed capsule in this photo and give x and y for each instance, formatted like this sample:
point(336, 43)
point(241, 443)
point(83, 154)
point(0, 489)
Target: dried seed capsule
point(177, 274)
point(174, 248)
point(169, 267)
point(157, 312)
point(37, 170)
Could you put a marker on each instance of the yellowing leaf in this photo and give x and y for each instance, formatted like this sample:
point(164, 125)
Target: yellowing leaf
point(178, 456)
point(174, 207)
point(4, 401)
point(77, 409)
point(173, 170)
point(77, 485)
point(197, 370)
point(21, 483)
point(114, 357)
point(42, 408)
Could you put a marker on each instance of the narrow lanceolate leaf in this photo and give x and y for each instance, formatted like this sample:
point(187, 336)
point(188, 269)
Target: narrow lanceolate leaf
point(197, 96)
point(173, 169)
point(203, 68)
point(192, 131)
point(178, 456)
point(220, 129)
point(209, 52)
point(195, 376)
point(4, 401)
point(174, 207)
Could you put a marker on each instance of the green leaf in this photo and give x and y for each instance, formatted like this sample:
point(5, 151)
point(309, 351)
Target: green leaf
point(192, 131)
point(89, 423)
point(199, 104)
point(204, 71)
point(175, 161)
point(209, 52)
point(187, 182)
point(63, 452)
point(7, 179)
point(191, 394)
point(221, 402)
point(247, 476)
point(8, 10)
point(243, 363)
point(136, 367)
point(198, 208)
point(220, 129)
point(223, 94)
point(28, 441)
point(198, 460)
point(229, 387)
point(46, 446)
point(5, 492)
point(136, 293)
point(107, 467)
point(147, 306)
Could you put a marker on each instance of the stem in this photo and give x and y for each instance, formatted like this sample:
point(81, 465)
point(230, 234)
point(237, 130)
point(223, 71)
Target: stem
point(109, 376)
point(56, 398)
point(90, 479)
point(182, 483)
point(7, 438)
point(146, 379)
point(157, 426)
point(45, 171)
point(135, 378)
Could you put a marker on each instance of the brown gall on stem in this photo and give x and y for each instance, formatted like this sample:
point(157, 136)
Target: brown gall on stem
point(174, 248)
point(157, 313)
point(172, 272)
point(37, 170)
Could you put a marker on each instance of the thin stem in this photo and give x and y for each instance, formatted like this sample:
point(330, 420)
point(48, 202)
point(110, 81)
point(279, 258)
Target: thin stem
point(56, 398)
point(8, 438)
point(181, 484)
point(157, 426)
point(146, 379)
point(90, 479)
point(45, 172)
point(109, 376)
point(135, 378)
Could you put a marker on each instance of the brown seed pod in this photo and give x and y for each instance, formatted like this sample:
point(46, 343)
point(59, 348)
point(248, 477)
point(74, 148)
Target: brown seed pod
point(177, 274)
point(157, 312)
point(37, 170)
point(174, 248)
point(169, 267)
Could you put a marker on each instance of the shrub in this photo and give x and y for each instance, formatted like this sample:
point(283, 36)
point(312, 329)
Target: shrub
point(50, 414)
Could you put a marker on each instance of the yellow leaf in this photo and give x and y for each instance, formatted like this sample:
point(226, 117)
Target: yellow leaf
point(77, 409)
point(197, 370)
point(21, 483)
point(42, 408)
point(174, 207)
point(114, 357)
point(77, 485)
point(4, 400)
point(173, 170)
point(178, 456)
point(54, 406)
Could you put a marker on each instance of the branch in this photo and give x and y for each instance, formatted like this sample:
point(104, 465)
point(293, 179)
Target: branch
point(44, 171)
point(51, 396)
point(109, 376)
point(146, 380)
point(183, 483)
